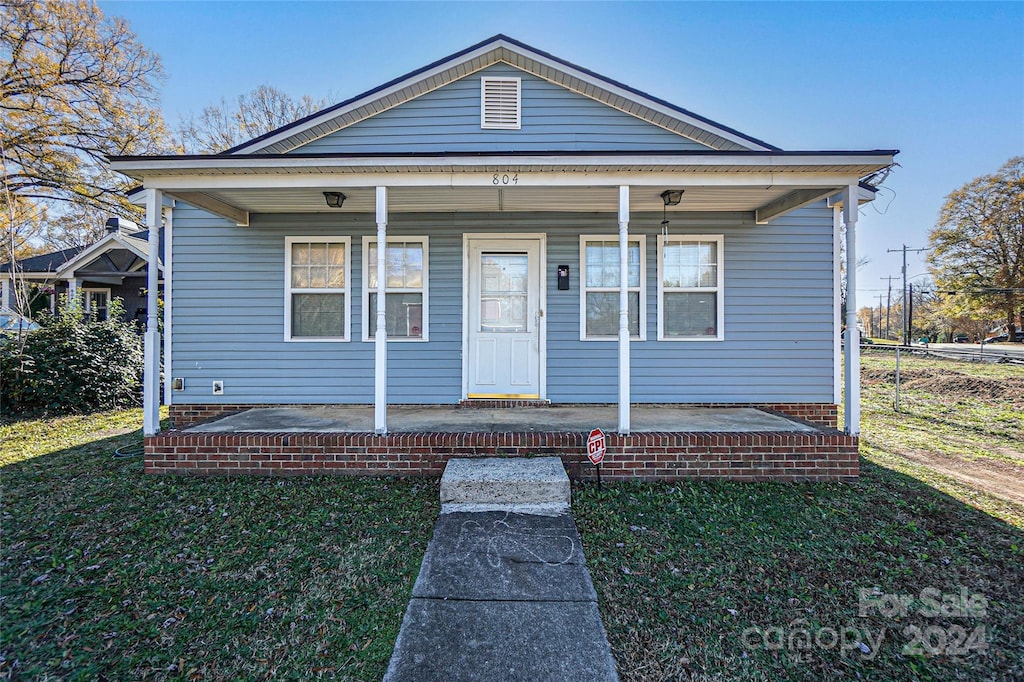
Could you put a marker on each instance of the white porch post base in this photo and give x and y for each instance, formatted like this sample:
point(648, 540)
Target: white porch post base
point(151, 384)
point(851, 407)
point(624, 309)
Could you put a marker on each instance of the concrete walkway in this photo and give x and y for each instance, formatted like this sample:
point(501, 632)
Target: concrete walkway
point(502, 595)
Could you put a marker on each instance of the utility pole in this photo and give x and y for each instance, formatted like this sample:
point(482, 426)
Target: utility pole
point(879, 315)
point(888, 304)
point(906, 326)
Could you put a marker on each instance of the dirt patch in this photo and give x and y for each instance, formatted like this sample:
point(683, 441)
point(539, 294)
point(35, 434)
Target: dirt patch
point(951, 384)
point(999, 479)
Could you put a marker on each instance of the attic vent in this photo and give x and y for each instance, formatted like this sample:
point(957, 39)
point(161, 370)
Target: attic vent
point(500, 103)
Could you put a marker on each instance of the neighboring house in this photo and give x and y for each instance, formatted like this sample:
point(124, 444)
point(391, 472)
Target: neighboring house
point(508, 186)
point(113, 267)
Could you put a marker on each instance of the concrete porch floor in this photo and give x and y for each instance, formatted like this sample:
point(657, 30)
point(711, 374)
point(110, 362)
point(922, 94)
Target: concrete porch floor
point(449, 419)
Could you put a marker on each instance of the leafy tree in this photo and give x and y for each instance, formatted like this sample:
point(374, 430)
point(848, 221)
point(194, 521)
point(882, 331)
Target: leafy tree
point(978, 245)
point(250, 115)
point(75, 86)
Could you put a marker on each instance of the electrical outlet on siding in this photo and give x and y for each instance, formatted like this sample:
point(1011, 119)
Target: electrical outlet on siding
point(218, 388)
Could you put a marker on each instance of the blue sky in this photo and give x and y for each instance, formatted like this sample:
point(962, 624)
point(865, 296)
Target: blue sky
point(941, 81)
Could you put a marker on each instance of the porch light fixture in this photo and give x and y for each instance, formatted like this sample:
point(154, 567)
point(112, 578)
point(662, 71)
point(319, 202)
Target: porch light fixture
point(334, 199)
point(672, 197)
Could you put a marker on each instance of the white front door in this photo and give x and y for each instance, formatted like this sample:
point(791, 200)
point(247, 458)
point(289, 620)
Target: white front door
point(504, 317)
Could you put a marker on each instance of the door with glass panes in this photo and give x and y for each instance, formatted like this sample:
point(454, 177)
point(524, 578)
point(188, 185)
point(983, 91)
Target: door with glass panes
point(504, 318)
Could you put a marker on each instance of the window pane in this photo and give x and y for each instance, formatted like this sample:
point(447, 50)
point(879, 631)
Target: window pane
point(300, 254)
point(413, 264)
point(690, 314)
point(603, 264)
point(336, 255)
point(603, 313)
point(318, 254)
point(403, 313)
point(300, 276)
point(371, 266)
point(318, 315)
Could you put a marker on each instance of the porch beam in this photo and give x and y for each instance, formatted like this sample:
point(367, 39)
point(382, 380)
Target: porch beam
point(238, 216)
point(624, 309)
point(380, 348)
point(151, 368)
point(851, 409)
point(182, 186)
point(789, 202)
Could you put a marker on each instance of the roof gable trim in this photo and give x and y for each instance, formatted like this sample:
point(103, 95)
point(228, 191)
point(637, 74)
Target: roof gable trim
point(497, 50)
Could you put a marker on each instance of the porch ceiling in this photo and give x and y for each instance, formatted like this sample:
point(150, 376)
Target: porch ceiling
point(508, 199)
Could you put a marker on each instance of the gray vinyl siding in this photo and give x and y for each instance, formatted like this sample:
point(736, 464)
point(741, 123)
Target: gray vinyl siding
point(448, 120)
point(228, 309)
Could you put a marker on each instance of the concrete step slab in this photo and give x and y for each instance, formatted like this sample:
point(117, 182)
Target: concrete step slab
point(535, 485)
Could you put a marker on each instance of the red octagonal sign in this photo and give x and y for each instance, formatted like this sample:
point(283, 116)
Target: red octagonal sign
point(595, 446)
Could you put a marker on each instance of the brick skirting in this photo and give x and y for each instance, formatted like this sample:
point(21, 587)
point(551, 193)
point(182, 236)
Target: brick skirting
point(781, 456)
point(821, 414)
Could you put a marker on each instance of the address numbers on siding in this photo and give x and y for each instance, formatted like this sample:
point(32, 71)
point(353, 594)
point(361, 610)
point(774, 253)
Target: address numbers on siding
point(505, 178)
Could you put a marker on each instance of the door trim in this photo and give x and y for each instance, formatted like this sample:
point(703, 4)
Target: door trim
point(542, 298)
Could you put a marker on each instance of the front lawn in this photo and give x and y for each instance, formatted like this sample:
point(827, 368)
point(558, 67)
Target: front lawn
point(110, 574)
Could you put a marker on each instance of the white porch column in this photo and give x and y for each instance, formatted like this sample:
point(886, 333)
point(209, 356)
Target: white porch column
point(5, 293)
point(73, 291)
point(851, 412)
point(624, 309)
point(151, 372)
point(168, 380)
point(380, 347)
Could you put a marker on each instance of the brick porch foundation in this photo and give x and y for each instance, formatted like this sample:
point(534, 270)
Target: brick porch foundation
point(826, 455)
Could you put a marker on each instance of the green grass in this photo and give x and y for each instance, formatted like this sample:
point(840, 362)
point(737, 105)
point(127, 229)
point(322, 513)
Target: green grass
point(683, 571)
point(107, 573)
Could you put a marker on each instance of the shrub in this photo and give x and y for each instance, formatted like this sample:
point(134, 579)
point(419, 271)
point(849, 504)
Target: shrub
point(72, 364)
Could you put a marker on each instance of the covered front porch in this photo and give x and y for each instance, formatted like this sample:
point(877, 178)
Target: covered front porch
point(666, 442)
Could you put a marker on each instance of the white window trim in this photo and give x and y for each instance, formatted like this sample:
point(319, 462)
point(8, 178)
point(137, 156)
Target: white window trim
point(369, 241)
point(87, 305)
point(719, 288)
point(346, 290)
point(584, 288)
point(484, 125)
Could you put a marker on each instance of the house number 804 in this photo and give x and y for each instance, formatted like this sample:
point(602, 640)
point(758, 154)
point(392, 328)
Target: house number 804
point(505, 179)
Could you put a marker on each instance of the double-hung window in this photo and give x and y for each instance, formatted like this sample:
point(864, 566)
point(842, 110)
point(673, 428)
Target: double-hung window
point(405, 288)
point(599, 290)
point(316, 300)
point(690, 288)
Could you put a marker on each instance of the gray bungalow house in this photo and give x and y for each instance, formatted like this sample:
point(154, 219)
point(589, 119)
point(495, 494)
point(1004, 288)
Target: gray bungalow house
point(553, 238)
point(114, 267)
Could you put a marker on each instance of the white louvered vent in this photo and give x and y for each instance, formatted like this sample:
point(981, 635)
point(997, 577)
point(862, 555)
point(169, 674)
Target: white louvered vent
point(500, 103)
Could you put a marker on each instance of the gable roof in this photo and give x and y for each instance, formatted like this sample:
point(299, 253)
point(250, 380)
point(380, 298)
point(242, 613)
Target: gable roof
point(62, 263)
point(501, 48)
point(112, 241)
point(45, 262)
